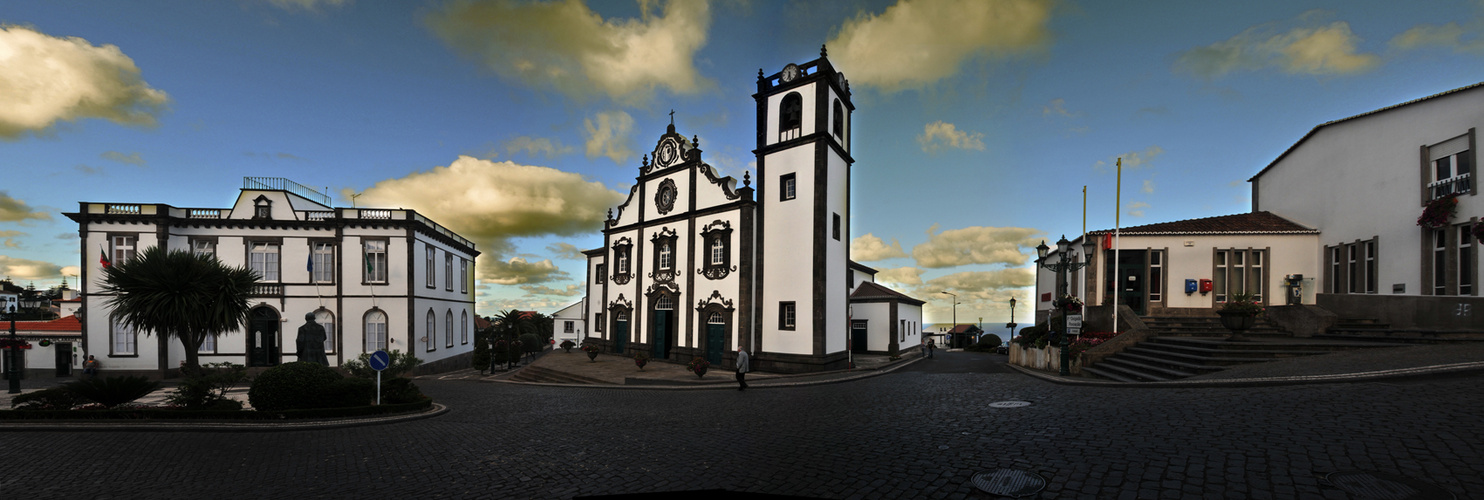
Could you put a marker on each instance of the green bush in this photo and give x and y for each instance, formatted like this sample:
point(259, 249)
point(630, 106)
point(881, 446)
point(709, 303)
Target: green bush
point(348, 392)
point(532, 343)
point(400, 391)
point(1033, 336)
point(291, 386)
point(55, 398)
point(112, 391)
point(401, 363)
point(987, 343)
point(204, 387)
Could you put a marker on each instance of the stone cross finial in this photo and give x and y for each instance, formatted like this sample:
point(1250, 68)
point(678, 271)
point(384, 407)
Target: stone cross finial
point(821, 50)
point(746, 178)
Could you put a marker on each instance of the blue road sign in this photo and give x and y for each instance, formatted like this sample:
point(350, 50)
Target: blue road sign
point(380, 360)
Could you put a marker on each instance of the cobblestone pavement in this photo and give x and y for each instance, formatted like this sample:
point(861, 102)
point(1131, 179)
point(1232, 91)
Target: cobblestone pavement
point(921, 432)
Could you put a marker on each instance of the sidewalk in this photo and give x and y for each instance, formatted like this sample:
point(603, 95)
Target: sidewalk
point(614, 371)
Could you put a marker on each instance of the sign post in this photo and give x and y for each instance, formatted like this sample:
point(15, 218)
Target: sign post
point(1074, 324)
point(379, 361)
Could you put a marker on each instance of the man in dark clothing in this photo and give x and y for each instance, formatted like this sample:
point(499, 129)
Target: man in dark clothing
point(311, 341)
point(742, 369)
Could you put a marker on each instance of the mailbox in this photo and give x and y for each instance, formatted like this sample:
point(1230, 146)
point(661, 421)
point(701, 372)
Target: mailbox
point(1205, 286)
point(1190, 287)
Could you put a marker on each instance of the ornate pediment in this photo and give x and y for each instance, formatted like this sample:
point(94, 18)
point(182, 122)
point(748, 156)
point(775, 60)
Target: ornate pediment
point(620, 303)
point(715, 299)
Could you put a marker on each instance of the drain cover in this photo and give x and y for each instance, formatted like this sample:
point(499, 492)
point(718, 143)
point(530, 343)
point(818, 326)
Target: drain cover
point(1009, 482)
point(1009, 404)
point(1377, 486)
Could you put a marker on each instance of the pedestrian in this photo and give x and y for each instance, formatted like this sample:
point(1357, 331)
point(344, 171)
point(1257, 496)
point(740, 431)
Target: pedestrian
point(930, 348)
point(90, 367)
point(743, 367)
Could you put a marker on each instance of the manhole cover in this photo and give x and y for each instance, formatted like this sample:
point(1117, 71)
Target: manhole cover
point(1377, 486)
point(1009, 404)
point(1009, 482)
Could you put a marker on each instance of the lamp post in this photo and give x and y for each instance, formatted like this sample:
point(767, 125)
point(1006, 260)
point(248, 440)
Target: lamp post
point(1011, 324)
point(955, 315)
point(11, 349)
point(1061, 267)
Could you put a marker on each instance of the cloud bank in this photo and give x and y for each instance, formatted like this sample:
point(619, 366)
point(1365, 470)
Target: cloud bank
point(1316, 50)
point(870, 248)
point(975, 245)
point(45, 80)
point(939, 135)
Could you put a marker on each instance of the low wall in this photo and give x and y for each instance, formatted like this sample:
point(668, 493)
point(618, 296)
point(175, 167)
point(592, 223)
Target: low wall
point(1040, 358)
point(1301, 321)
point(1409, 312)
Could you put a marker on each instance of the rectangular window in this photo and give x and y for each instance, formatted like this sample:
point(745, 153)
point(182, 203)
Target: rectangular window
point(376, 331)
point(432, 277)
point(208, 345)
point(123, 249)
point(1234, 279)
point(1452, 168)
point(622, 257)
point(1440, 262)
point(202, 246)
point(448, 271)
point(327, 320)
point(1465, 261)
point(123, 339)
point(1353, 265)
point(786, 315)
point(463, 276)
point(376, 263)
point(1218, 279)
point(1370, 267)
point(598, 322)
point(1156, 276)
point(601, 272)
point(1334, 270)
point(568, 327)
point(836, 227)
point(1238, 272)
point(788, 187)
point(263, 258)
point(323, 258)
point(1254, 275)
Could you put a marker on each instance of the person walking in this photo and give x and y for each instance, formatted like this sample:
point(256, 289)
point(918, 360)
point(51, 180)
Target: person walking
point(930, 348)
point(743, 366)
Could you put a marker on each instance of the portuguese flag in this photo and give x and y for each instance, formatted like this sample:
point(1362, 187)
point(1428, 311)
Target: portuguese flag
point(103, 258)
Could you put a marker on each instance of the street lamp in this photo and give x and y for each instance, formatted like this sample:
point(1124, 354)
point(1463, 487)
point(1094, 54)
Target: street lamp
point(1061, 267)
point(1011, 325)
point(12, 346)
point(955, 315)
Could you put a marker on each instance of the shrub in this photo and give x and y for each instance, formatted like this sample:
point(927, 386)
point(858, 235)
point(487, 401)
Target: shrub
point(987, 343)
point(401, 363)
point(482, 356)
point(291, 386)
point(55, 398)
point(347, 392)
point(204, 387)
point(531, 343)
point(567, 345)
point(1033, 336)
point(112, 391)
point(400, 391)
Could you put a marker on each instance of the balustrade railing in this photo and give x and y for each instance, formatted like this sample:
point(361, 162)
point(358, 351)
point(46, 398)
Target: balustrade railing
point(1458, 184)
point(121, 209)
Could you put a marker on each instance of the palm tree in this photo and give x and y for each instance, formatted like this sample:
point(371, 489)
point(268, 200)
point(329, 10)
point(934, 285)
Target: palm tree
point(179, 294)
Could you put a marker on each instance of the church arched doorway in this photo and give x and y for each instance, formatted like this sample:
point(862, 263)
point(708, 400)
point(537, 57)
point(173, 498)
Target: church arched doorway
point(664, 322)
point(716, 337)
point(620, 331)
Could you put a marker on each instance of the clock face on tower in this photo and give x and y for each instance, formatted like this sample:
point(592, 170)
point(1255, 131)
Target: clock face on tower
point(667, 153)
point(790, 72)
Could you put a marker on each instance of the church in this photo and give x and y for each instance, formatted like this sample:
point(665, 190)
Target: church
point(694, 265)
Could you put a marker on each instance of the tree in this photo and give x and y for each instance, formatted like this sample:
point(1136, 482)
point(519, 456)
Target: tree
point(179, 294)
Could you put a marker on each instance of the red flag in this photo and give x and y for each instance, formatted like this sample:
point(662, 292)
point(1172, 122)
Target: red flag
point(103, 258)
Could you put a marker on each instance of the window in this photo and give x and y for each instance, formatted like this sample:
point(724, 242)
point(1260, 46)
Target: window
point(448, 328)
point(322, 262)
point(791, 117)
point(1238, 272)
point(203, 246)
point(835, 228)
point(1218, 279)
point(1465, 260)
point(789, 186)
point(786, 316)
point(376, 262)
point(375, 331)
point(327, 319)
point(667, 257)
point(123, 249)
point(464, 327)
point(715, 319)
point(463, 275)
point(568, 326)
point(600, 272)
point(1452, 175)
point(1353, 264)
point(431, 332)
point(431, 273)
point(123, 339)
point(902, 330)
point(1370, 266)
point(263, 258)
point(623, 260)
point(717, 259)
point(1156, 276)
point(1440, 262)
point(598, 322)
point(1334, 270)
point(718, 252)
point(839, 120)
point(208, 345)
point(262, 208)
point(447, 271)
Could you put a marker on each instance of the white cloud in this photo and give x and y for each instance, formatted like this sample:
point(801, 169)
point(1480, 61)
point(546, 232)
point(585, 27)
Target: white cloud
point(46, 79)
point(568, 291)
point(1148, 187)
point(8, 238)
point(25, 269)
point(939, 135)
point(919, 42)
point(565, 46)
point(533, 146)
point(130, 158)
point(902, 275)
point(564, 250)
point(983, 284)
point(492, 202)
point(13, 210)
point(1132, 160)
point(975, 245)
point(611, 136)
point(1135, 209)
point(1449, 36)
point(870, 248)
point(1311, 50)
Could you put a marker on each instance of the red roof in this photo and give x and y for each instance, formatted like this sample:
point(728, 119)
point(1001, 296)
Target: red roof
point(966, 329)
point(65, 325)
point(1248, 223)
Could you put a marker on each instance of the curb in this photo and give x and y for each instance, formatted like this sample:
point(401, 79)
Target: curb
point(713, 386)
point(1338, 378)
point(188, 426)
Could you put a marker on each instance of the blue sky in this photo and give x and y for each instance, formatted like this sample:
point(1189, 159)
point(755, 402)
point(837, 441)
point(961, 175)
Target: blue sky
point(518, 124)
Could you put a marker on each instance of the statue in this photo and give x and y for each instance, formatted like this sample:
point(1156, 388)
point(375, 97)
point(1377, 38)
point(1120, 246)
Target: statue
point(311, 341)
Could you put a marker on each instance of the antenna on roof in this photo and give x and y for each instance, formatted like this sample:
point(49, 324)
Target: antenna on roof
point(353, 197)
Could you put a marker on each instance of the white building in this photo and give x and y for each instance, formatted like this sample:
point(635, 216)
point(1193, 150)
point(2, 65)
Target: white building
point(881, 318)
point(692, 265)
point(568, 324)
point(374, 278)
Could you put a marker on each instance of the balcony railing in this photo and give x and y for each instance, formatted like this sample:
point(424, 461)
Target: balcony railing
point(1458, 184)
point(203, 213)
point(376, 214)
point(121, 208)
point(282, 184)
point(318, 215)
point(262, 290)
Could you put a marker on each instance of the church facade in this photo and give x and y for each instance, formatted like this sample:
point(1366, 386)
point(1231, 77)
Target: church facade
point(693, 265)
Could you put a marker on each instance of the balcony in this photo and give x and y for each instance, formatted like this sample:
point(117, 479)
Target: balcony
point(1458, 184)
point(267, 290)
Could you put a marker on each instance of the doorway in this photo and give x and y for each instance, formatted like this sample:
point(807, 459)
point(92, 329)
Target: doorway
point(262, 337)
point(664, 318)
point(716, 337)
point(1131, 273)
point(858, 337)
point(620, 331)
point(64, 358)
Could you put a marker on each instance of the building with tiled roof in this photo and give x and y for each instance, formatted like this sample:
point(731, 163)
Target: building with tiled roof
point(881, 319)
point(52, 342)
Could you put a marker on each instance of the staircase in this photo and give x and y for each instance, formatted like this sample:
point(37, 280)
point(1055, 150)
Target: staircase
point(533, 373)
point(1205, 326)
point(1370, 329)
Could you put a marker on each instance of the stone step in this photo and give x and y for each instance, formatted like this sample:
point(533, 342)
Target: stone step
point(1126, 373)
point(1192, 362)
point(1147, 366)
point(1109, 374)
point(533, 373)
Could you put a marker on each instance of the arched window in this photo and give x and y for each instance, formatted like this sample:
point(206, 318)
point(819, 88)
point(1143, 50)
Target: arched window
point(665, 303)
point(375, 331)
point(790, 116)
point(839, 120)
point(326, 319)
point(431, 332)
point(715, 319)
point(464, 327)
point(667, 257)
point(448, 328)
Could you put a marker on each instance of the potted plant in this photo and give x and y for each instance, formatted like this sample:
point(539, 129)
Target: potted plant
point(1239, 314)
point(1438, 212)
point(592, 352)
point(698, 365)
point(640, 359)
point(1069, 304)
point(567, 345)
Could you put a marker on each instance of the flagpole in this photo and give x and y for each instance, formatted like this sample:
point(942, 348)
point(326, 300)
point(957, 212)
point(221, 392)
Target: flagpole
point(1117, 212)
point(1089, 254)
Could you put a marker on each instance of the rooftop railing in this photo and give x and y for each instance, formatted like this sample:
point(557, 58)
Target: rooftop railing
point(282, 184)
